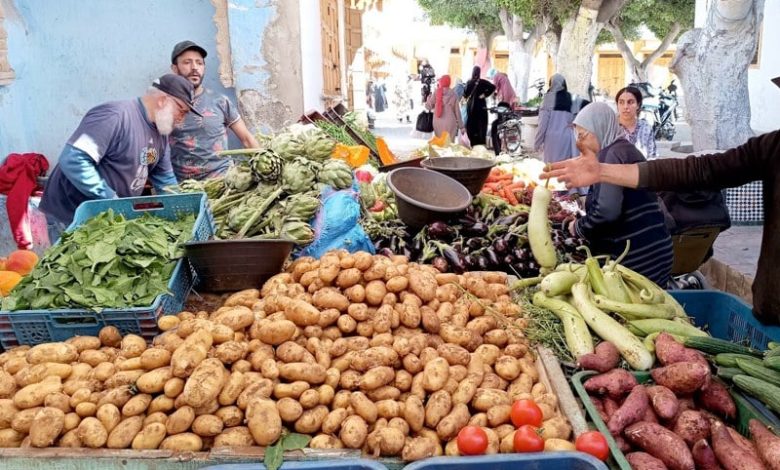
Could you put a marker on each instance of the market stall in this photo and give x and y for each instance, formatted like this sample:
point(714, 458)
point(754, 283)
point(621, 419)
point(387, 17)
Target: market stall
point(437, 309)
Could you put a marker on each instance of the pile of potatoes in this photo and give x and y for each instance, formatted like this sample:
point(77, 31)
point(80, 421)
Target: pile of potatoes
point(359, 351)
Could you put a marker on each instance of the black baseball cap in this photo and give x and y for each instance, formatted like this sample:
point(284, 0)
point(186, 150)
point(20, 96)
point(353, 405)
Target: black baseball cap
point(178, 87)
point(179, 48)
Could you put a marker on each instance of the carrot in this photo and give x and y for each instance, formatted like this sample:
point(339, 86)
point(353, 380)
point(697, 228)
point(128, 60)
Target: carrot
point(511, 197)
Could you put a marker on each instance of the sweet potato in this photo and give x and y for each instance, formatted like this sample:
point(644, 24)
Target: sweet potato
point(604, 358)
point(644, 461)
point(664, 401)
point(682, 377)
point(662, 444)
point(614, 383)
point(729, 454)
point(669, 351)
point(631, 411)
point(610, 406)
point(704, 457)
point(767, 443)
point(692, 426)
point(717, 399)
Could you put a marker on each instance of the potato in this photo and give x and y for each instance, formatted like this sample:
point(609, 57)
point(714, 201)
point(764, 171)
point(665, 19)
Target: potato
point(230, 415)
point(332, 423)
point(558, 445)
point(435, 374)
point(419, 448)
point(377, 377)
point(238, 436)
point(264, 421)
point(70, 439)
point(299, 371)
point(59, 401)
point(86, 408)
point(123, 377)
point(237, 317)
point(156, 417)
point(154, 381)
point(207, 425)
point(180, 420)
point(125, 432)
point(93, 357)
point(103, 371)
point(276, 332)
point(374, 357)
point(451, 424)
point(10, 438)
point(7, 412)
point(132, 346)
point(438, 406)
point(375, 292)
point(63, 353)
point(15, 364)
point(109, 416)
point(556, 427)
point(388, 409)
point(205, 383)
point(167, 322)
point(117, 396)
point(110, 336)
point(149, 437)
point(311, 420)
point(185, 442)
point(485, 398)
point(507, 367)
point(154, 358)
point(137, 405)
point(293, 390)
point(91, 433)
point(46, 427)
point(423, 284)
point(384, 393)
point(169, 341)
point(7, 385)
point(234, 385)
point(34, 395)
point(385, 441)
point(353, 432)
point(324, 441)
point(454, 354)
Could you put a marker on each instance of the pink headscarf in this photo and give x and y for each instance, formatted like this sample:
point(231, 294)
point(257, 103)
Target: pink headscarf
point(504, 90)
point(444, 82)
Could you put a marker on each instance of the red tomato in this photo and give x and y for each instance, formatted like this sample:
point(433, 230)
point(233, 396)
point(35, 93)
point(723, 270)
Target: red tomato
point(472, 440)
point(526, 412)
point(527, 439)
point(593, 443)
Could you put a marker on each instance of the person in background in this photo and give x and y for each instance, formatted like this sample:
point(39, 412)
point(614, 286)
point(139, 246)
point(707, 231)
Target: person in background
point(504, 91)
point(115, 148)
point(402, 101)
point(638, 131)
point(616, 215)
point(196, 140)
point(380, 99)
point(460, 89)
point(554, 135)
point(446, 109)
point(427, 74)
point(370, 94)
point(476, 92)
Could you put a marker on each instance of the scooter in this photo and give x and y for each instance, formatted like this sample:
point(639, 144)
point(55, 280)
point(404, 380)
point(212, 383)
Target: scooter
point(659, 107)
point(506, 130)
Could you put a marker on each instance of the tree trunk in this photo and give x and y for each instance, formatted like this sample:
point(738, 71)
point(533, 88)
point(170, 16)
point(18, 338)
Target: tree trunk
point(520, 52)
point(639, 70)
point(485, 43)
point(575, 54)
point(712, 63)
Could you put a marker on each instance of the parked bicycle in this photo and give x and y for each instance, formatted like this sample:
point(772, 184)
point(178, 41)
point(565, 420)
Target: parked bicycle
point(659, 108)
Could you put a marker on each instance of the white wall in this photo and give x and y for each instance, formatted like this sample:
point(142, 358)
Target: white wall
point(764, 95)
point(311, 54)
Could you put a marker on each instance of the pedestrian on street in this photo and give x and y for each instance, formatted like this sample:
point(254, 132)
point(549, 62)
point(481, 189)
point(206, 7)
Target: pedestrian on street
point(756, 160)
point(446, 110)
point(476, 92)
point(380, 99)
point(554, 135)
point(427, 75)
point(638, 131)
point(504, 91)
point(115, 148)
point(196, 140)
point(615, 215)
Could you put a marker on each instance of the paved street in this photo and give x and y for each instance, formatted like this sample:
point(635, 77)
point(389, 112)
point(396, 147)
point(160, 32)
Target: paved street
point(738, 247)
point(397, 134)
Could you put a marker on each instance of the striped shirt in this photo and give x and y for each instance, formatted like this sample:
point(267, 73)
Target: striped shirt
point(615, 215)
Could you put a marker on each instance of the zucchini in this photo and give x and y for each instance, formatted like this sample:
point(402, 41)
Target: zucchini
point(759, 371)
point(712, 345)
point(772, 362)
point(539, 233)
point(652, 325)
point(578, 337)
point(728, 373)
point(773, 345)
point(767, 393)
point(772, 353)
point(730, 359)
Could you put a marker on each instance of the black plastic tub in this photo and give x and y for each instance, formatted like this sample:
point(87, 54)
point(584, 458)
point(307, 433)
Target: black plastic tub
point(471, 172)
point(425, 196)
point(232, 265)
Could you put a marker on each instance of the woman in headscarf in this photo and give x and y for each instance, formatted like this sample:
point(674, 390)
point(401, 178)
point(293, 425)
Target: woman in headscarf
point(554, 136)
point(446, 110)
point(504, 91)
point(477, 89)
point(617, 215)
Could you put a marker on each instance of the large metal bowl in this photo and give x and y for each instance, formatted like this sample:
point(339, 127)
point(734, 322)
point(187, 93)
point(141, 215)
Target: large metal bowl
point(471, 172)
point(425, 196)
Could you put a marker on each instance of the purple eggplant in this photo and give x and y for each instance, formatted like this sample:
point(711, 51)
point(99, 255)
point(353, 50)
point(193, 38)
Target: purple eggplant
point(482, 263)
point(474, 243)
point(478, 229)
point(509, 260)
point(455, 260)
point(440, 231)
point(492, 258)
point(441, 264)
point(386, 252)
point(520, 254)
point(500, 246)
point(471, 262)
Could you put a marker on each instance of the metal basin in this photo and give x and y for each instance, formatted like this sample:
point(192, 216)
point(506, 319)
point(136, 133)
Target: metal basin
point(471, 172)
point(424, 196)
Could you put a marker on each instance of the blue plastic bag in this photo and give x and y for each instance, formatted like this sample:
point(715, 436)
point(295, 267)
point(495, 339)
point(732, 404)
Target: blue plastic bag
point(337, 224)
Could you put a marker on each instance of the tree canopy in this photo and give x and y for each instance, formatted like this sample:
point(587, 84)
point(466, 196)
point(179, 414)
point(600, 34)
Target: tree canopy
point(659, 16)
point(470, 14)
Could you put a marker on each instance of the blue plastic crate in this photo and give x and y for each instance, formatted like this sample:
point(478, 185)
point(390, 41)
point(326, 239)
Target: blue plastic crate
point(533, 461)
point(726, 316)
point(341, 464)
point(40, 326)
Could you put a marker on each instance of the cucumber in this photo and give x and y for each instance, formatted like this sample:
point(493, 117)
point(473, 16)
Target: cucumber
point(767, 393)
point(730, 359)
point(772, 362)
point(728, 373)
point(712, 345)
point(759, 371)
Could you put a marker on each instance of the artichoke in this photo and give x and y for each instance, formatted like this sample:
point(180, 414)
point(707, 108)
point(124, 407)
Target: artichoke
point(336, 173)
point(239, 177)
point(267, 166)
point(316, 144)
point(301, 206)
point(298, 176)
point(297, 231)
point(287, 146)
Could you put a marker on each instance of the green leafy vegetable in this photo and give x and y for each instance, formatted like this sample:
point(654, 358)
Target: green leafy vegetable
point(274, 455)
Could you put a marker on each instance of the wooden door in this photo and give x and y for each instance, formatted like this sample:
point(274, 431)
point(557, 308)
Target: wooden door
point(501, 62)
point(455, 65)
point(330, 47)
point(612, 73)
point(354, 36)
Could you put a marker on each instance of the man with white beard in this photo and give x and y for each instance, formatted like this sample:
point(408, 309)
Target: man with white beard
point(115, 148)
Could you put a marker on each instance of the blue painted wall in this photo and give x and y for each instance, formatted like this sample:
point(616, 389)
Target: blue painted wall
point(70, 55)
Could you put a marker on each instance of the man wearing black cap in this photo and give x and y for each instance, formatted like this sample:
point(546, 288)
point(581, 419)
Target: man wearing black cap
point(115, 148)
point(195, 141)
point(756, 160)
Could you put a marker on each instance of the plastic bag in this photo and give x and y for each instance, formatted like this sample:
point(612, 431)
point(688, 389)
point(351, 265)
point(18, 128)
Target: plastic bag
point(463, 139)
point(337, 224)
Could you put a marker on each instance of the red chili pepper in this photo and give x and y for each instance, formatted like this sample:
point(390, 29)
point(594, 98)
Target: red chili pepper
point(378, 206)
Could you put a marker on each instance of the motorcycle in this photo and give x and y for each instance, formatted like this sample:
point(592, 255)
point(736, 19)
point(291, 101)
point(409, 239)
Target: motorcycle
point(506, 130)
point(659, 108)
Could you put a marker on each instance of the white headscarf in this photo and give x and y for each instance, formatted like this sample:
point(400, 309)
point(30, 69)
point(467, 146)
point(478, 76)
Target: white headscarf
point(601, 121)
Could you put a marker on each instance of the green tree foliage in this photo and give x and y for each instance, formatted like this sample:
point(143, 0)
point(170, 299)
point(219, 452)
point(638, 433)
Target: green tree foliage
point(476, 15)
point(659, 16)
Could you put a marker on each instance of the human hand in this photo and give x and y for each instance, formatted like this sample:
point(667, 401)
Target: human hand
point(576, 172)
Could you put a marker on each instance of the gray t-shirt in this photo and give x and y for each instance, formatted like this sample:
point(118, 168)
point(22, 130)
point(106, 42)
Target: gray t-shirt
point(195, 141)
point(125, 146)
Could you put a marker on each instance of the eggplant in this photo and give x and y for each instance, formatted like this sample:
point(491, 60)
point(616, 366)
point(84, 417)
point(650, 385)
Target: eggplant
point(507, 219)
point(520, 267)
point(440, 231)
point(408, 253)
point(570, 242)
point(455, 260)
point(492, 258)
point(471, 263)
point(386, 252)
point(475, 243)
point(482, 263)
point(440, 264)
point(509, 260)
point(500, 246)
point(479, 229)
